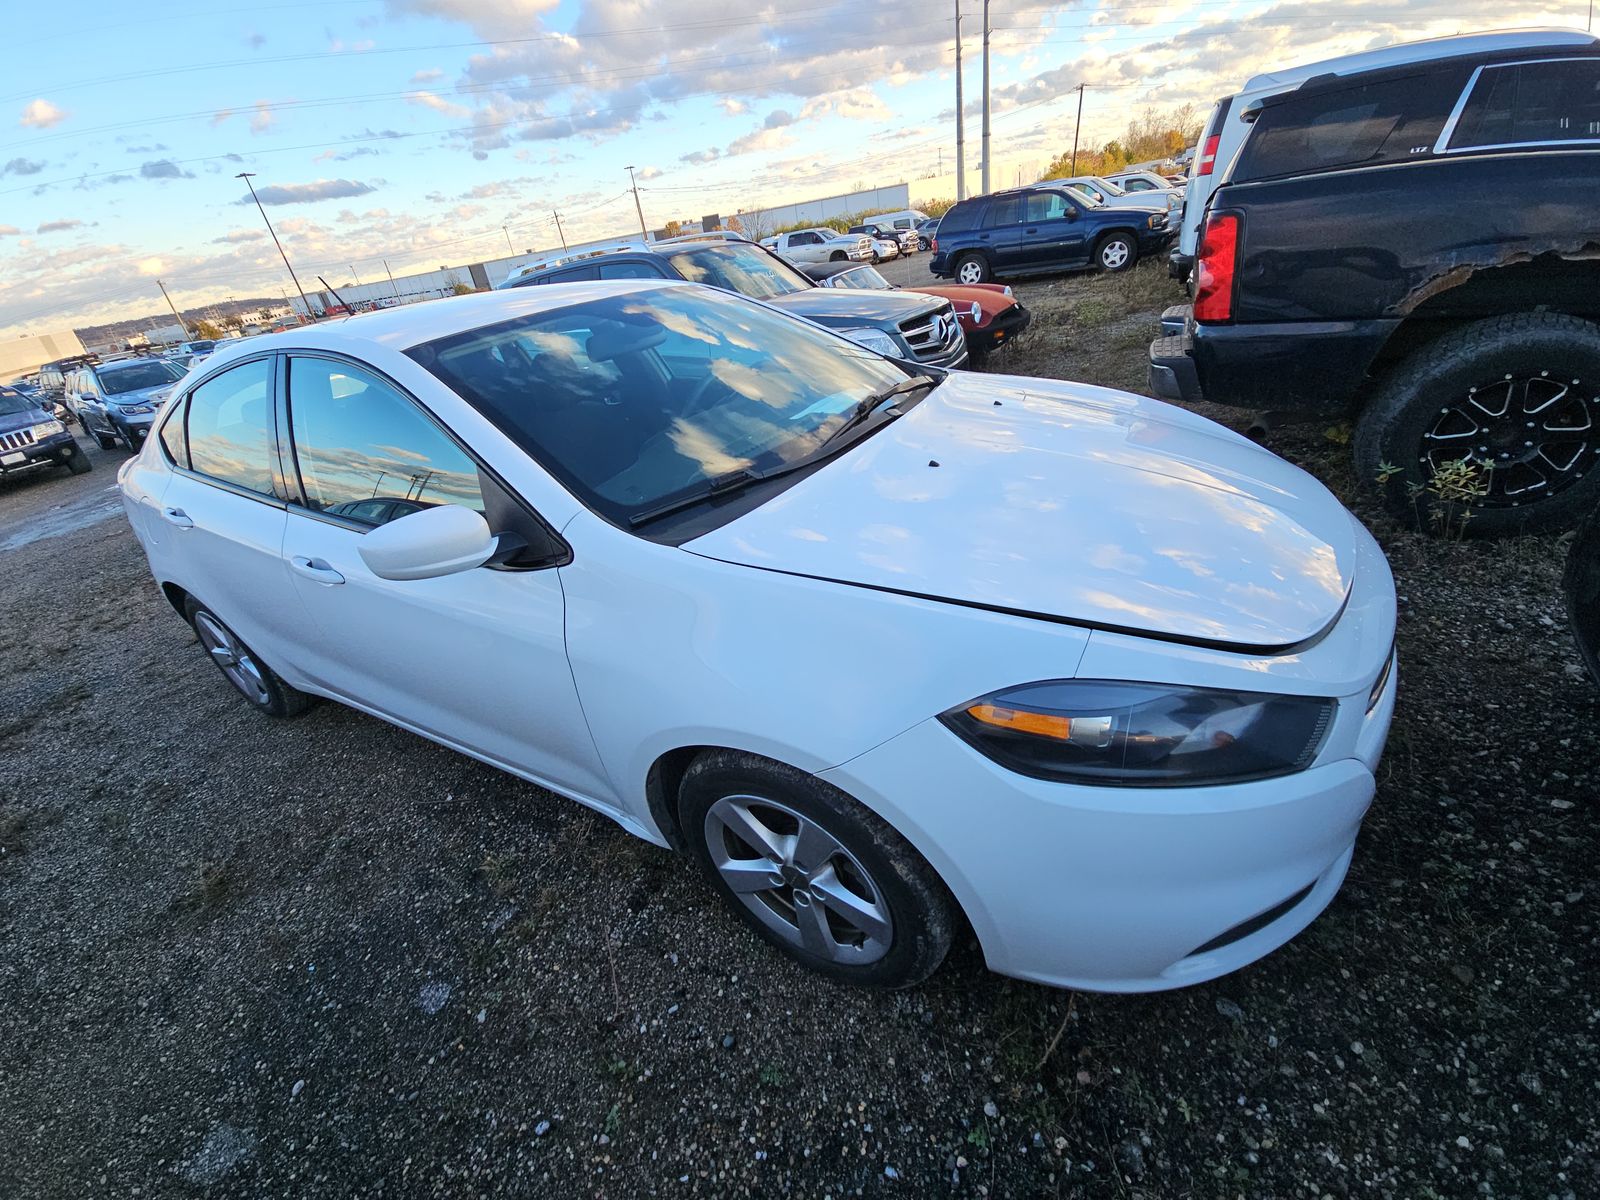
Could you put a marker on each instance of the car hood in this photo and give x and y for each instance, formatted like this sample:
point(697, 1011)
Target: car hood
point(23, 420)
point(1071, 503)
point(850, 306)
point(989, 299)
point(142, 395)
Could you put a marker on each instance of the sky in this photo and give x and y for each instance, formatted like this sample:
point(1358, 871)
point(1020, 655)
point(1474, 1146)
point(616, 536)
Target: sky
point(443, 132)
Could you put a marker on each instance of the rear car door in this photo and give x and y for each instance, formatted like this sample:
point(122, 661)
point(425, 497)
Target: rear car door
point(476, 659)
point(1052, 233)
point(1001, 232)
point(222, 513)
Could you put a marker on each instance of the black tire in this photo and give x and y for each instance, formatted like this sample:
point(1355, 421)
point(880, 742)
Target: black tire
point(838, 256)
point(923, 243)
point(977, 355)
point(102, 440)
point(78, 463)
point(275, 698)
point(125, 436)
point(1405, 430)
point(921, 912)
point(1120, 248)
point(983, 274)
point(1581, 583)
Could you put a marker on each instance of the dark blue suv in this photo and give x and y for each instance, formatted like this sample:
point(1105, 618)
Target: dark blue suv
point(1038, 229)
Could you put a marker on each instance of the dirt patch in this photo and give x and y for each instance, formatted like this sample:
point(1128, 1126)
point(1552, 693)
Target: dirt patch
point(417, 976)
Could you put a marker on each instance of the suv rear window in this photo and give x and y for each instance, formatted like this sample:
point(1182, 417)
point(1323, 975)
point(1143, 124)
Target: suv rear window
point(1381, 120)
point(1531, 103)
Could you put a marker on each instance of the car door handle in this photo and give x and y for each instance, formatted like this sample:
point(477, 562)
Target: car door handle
point(176, 516)
point(315, 568)
point(1030, 231)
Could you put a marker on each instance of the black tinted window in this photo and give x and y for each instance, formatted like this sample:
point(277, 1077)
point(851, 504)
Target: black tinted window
point(572, 275)
point(629, 270)
point(358, 440)
point(1002, 212)
point(230, 427)
point(960, 218)
point(1379, 121)
point(1532, 102)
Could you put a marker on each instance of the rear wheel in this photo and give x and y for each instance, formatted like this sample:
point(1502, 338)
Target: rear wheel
point(813, 872)
point(1116, 253)
point(241, 666)
point(838, 256)
point(1493, 428)
point(973, 268)
point(1582, 586)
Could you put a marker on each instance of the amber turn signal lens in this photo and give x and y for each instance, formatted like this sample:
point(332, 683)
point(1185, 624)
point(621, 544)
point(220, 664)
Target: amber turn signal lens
point(1041, 724)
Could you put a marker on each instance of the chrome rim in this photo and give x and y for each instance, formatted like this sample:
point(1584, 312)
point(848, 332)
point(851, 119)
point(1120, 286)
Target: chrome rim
point(229, 653)
point(1114, 254)
point(1532, 437)
point(798, 880)
point(971, 271)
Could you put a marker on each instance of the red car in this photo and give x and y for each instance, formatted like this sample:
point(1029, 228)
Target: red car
point(990, 315)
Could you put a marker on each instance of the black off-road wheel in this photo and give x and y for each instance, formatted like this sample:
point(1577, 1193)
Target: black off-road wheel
point(1492, 429)
point(813, 872)
point(1581, 583)
point(243, 667)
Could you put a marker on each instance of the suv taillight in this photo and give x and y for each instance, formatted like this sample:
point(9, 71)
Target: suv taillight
point(933, 243)
point(1215, 268)
point(1208, 155)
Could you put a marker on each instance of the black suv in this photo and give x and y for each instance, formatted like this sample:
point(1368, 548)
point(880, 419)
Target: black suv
point(30, 436)
point(1042, 228)
point(1416, 245)
point(917, 328)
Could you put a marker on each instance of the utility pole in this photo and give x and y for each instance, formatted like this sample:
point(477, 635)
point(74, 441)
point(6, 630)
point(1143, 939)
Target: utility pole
point(174, 309)
point(985, 97)
point(392, 283)
point(636, 205)
point(246, 176)
point(961, 137)
point(354, 276)
point(1076, 129)
point(559, 234)
point(509, 246)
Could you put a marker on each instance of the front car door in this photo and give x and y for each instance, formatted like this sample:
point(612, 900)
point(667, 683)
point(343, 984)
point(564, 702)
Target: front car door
point(1052, 233)
point(476, 659)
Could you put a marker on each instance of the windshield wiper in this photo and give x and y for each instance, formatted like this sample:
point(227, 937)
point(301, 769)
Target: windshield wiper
point(872, 403)
point(737, 481)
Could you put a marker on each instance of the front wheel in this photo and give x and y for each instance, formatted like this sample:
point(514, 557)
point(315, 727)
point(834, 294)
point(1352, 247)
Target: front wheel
point(1117, 253)
point(1493, 428)
point(974, 268)
point(78, 463)
point(813, 872)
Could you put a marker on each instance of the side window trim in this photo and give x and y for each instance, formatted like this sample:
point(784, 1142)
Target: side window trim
point(291, 456)
point(179, 410)
point(1442, 145)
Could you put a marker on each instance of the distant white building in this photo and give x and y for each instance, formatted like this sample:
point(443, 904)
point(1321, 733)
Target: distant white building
point(25, 355)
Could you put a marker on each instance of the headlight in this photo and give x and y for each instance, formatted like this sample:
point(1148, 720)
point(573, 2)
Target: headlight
point(46, 429)
point(1143, 735)
point(873, 339)
point(1156, 220)
point(130, 410)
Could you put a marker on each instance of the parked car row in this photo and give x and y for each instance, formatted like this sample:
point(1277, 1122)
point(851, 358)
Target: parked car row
point(878, 239)
point(1405, 236)
point(32, 435)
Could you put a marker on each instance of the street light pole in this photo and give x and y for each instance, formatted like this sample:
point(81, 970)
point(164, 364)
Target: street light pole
point(636, 205)
point(961, 137)
point(246, 176)
point(985, 97)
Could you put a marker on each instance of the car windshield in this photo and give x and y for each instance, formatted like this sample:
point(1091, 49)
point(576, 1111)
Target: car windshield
point(1087, 195)
point(739, 267)
point(863, 278)
point(137, 376)
point(13, 402)
point(635, 399)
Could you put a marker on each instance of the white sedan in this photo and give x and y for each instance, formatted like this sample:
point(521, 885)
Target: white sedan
point(877, 646)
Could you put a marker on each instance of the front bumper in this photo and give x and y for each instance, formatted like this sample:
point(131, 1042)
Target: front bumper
point(48, 452)
point(1003, 330)
point(137, 425)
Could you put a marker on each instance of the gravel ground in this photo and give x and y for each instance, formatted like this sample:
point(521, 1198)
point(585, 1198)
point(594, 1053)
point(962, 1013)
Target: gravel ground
point(245, 958)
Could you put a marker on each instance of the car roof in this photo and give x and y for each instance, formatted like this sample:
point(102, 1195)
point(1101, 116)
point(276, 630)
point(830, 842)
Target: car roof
point(1427, 50)
point(413, 324)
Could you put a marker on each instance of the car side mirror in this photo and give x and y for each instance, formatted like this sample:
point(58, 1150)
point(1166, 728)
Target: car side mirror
point(427, 544)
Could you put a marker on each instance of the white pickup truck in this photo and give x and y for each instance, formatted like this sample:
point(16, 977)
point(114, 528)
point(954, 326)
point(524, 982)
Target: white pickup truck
point(821, 245)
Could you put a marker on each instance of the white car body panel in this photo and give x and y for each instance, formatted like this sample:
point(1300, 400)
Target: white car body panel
point(582, 676)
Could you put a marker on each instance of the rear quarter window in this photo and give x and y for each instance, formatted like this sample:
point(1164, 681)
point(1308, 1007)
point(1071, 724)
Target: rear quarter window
point(1377, 121)
point(961, 218)
point(1534, 103)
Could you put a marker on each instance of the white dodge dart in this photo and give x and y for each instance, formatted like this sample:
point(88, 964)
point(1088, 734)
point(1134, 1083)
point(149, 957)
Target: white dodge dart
point(879, 647)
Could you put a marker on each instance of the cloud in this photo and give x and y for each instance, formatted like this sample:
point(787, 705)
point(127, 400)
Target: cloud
point(766, 138)
point(427, 75)
point(41, 114)
point(777, 119)
point(439, 104)
point(345, 155)
point(235, 237)
point(733, 106)
point(649, 173)
point(504, 18)
point(255, 40)
point(22, 166)
point(59, 226)
point(307, 193)
point(9, 231)
point(261, 120)
point(164, 168)
point(699, 157)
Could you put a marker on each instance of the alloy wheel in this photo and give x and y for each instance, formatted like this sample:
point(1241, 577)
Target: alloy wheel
point(1114, 254)
point(229, 653)
point(971, 271)
point(798, 879)
point(1530, 437)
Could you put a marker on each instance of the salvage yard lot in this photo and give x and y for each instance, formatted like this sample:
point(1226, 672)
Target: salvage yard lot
point(326, 957)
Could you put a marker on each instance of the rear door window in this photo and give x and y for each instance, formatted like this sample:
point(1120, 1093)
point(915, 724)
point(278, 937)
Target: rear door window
point(1381, 120)
point(630, 270)
point(230, 428)
point(1002, 212)
point(1536, 103)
